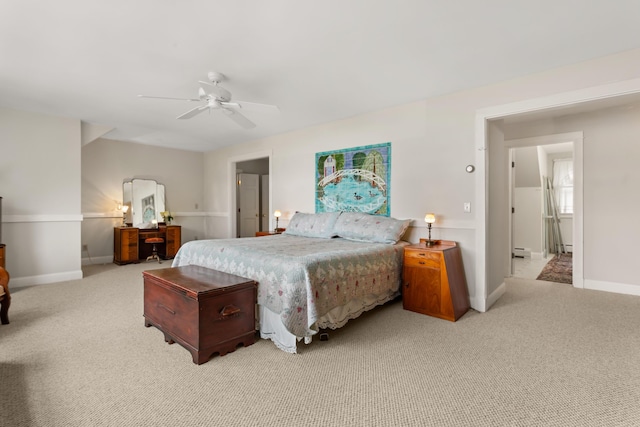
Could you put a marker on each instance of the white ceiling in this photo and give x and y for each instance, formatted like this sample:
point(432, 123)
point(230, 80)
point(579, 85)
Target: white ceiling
point(318, 61)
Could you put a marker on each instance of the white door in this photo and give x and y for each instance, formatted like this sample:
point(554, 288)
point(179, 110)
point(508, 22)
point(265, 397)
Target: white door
point(512, 204)
point(264, 196)
point(249, 189)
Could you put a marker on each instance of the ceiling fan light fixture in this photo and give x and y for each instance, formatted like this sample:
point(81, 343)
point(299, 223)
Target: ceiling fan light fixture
point(214, 96)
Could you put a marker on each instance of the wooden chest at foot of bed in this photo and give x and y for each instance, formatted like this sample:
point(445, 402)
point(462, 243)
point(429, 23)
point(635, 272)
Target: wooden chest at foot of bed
point(206, 311)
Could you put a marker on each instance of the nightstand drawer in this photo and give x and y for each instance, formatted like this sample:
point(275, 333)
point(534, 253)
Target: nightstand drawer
point(421, 262)
point(421, 253)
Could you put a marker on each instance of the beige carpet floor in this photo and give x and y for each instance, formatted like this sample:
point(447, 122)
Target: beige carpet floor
point(77, 354)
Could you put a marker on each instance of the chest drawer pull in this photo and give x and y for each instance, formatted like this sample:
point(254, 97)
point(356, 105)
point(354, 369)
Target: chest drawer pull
point(229, 310)
point(166, 308)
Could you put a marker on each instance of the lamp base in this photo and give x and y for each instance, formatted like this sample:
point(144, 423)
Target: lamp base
point(429, 243)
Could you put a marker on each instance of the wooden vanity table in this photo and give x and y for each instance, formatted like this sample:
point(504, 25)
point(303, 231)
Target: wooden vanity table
point(129, 246)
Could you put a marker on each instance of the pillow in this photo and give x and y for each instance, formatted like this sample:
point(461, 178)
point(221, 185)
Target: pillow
point(363, 227)
point(313, 225)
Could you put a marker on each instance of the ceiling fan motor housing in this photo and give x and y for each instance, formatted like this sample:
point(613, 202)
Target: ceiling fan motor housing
point(222, 94)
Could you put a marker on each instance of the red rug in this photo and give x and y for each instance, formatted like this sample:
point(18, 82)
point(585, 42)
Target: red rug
point(559, 269)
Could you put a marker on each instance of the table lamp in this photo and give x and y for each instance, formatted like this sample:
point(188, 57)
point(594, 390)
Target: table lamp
point(277, 214)
point(430, 219)
point(125, 209)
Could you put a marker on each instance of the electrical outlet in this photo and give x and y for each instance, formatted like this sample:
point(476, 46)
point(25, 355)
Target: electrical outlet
point(85, 247)
point(467, 206)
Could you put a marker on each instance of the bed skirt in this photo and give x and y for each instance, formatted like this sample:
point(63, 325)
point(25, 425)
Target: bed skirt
point(271, 326)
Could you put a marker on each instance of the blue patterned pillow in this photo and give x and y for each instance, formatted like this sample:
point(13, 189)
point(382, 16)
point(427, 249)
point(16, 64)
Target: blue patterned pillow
point(313, 225)
point(363, 227)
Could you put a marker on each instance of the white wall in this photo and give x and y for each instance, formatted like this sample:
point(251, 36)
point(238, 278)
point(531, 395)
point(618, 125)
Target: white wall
point(432, 141)
point(527, 218)
point(107, 163)
point(40, 186)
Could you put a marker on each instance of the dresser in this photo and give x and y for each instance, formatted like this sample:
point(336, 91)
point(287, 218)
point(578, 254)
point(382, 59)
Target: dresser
point(433, 280)
point(129, 243)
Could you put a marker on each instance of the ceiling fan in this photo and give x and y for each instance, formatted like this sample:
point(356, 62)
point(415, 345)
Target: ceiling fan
point(215, 97)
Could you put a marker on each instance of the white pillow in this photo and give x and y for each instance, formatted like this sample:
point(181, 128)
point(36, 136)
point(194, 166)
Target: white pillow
point(363, 227)
point(313, 225)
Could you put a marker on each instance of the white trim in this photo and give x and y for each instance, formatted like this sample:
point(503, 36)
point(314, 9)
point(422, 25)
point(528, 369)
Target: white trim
point(218, 214)
point(107, 215)
point(562, 99)
point(618, 288)
point(451, 224)
point(104, 259)
point(44, 279)
point(495, 295)
point(483, 115)
point(102, 215)
point(41, 218)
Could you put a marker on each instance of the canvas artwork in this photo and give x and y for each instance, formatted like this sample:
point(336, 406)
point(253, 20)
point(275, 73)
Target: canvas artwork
point(354, 180)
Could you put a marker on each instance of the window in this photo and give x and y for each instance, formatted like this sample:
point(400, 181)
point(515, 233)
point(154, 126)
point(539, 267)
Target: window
point(563, 185)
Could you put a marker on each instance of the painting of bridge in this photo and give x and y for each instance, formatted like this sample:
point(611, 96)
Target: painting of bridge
point(354, 180)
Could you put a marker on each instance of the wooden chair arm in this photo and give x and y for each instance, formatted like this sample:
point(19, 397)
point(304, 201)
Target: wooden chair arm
point(5, 298)
point(4, 281)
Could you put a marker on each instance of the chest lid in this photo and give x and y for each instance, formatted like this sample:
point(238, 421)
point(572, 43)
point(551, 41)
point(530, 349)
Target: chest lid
point(198, 282)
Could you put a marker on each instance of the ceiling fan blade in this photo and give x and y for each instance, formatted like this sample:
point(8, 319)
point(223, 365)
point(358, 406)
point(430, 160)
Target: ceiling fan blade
point(166, 97)
point(221, 93)
point(193, 112)
point(241, 120)
point(253, 106)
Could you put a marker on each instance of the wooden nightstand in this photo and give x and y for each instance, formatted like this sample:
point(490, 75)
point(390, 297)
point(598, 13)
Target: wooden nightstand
point(269, 233)
point(433, 280)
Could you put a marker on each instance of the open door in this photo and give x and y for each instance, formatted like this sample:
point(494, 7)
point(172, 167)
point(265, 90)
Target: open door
point(264, 203)
point(249, 204)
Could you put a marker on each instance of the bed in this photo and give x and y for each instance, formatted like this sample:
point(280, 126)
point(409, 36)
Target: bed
point(324, 270)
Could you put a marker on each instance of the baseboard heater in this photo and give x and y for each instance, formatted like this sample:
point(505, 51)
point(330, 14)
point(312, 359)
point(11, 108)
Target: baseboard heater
point(522, 252)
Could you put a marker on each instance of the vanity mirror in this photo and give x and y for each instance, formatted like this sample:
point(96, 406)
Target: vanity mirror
point(145, 198)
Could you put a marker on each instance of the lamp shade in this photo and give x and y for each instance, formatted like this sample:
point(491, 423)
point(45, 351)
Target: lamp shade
point(430, 218)
point(277, 214)
point(125, 208)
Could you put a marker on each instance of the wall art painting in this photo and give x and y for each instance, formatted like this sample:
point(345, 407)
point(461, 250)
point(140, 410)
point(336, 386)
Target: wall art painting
point(354, 180)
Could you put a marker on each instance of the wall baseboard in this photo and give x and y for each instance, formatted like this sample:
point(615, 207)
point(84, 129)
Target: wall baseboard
point(105, 259)
point(45, 279)
point(482, 305)
point(616, 288)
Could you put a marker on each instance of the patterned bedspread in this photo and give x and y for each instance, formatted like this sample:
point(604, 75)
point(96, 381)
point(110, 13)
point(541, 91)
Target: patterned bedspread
point(302, 278)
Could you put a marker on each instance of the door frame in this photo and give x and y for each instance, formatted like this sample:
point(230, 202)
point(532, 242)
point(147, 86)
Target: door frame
point(231, 176)
point(576, 138)
point(482, 300)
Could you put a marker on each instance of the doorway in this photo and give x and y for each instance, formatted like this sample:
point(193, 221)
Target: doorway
point(492, 242)
point(541, 228)
point(250, 195)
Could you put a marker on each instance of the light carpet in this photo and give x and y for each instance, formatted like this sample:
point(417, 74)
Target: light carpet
point(77, 354)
